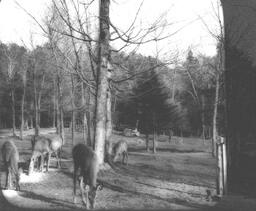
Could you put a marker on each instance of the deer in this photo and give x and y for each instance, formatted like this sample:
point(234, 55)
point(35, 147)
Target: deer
point(120, 149)
point(43, 147)
point(85, 160)
point(10, 155)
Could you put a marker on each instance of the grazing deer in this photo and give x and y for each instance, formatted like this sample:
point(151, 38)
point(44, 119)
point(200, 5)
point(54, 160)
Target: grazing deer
point(44, 146)
point(121, 149)
point(10, 157)
point(86, 160)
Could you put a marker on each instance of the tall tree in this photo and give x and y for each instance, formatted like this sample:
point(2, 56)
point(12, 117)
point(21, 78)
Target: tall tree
point(102, 80)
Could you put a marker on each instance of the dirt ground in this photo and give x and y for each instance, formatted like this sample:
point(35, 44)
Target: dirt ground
point(175, 178)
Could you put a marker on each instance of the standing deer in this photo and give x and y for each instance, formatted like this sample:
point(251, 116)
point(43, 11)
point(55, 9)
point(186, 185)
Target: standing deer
point(86, 160)
point(44, 146)
point(10, 157)
point(121, 149)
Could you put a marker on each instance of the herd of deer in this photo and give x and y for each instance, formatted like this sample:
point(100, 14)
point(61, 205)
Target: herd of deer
point(84, 158)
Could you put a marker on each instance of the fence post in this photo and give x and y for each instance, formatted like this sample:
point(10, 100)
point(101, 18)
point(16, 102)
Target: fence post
point(219, 167)
point(224, 160)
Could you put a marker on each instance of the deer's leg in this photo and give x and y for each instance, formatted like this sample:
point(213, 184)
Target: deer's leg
point(48, 161)
point(74, 184)
point(123, 157)
point(7, 176)
point(58, 159)
point(31, 165)
point(83, 190)
point(17, 176)
point(87, 200)
point(126, 155)
point(41, 163)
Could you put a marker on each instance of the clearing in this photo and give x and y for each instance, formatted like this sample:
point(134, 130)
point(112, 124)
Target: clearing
point(175, 178)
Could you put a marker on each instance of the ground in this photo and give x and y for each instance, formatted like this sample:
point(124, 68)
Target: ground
point(175, 178)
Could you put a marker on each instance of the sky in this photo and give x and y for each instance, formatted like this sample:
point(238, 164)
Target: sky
point(16, 25)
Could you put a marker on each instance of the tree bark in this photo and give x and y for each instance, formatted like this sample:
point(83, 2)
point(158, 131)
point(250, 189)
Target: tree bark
point(170, 133)
point(108, 143)
point(31, 116)
point(35, 105)
point(54, 105)
point(215, 114)
point(73, 109)
point(102, 82)
point(155, 133)
point(39, 101)
point(13, 113)
point(58, 106)
point(22, 111)
point(62, 128)
point(88, 117)
point(154, 141)
point(84, 120)
point(147, 141)
point(173, 85)
point(203, 116)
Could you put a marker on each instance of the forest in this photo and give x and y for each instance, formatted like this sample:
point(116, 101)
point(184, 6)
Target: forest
point(42, 88)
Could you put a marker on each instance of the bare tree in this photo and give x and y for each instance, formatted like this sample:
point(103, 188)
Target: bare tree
point(102, 80)
point(24, 83)
point(219, 69)
point(11, 56)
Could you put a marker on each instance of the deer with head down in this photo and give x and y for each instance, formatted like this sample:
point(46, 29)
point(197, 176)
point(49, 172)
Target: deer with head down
point(120, 149)
point(10, 157)
point(43, 147)
point(85, 160)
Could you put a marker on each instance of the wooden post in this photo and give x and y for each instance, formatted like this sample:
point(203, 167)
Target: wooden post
point(224, 163)
point(222, 166)
point(219, 169)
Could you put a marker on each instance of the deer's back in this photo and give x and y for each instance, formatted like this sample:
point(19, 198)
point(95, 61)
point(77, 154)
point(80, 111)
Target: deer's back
point(55, 142)
point(83, 156)
point(41, 144)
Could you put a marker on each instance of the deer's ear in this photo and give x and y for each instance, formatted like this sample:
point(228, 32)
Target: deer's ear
point(99, 187)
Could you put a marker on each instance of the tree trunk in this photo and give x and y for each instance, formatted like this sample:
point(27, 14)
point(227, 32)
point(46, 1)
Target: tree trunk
point(58, 105)
point(62, 128)
point(114, 106)
point(173, 85)
point(108, 125)
point(35, 106)
point(215, 114)
point(88, 117)
point(203, 116)
point(154, 141)
point(147, 141)
point(155, 133)
point(39, 101)
point(170, 135)
point(102, 82)
point(137, 124)
point(13, 113)
point(22, 111)
point(36, 119)
point(84, 120)
point(54, 105)
point(73, 110)
point(31, 116)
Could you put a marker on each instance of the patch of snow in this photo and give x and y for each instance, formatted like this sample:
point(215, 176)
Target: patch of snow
point(9, 193)
point(34, 177)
